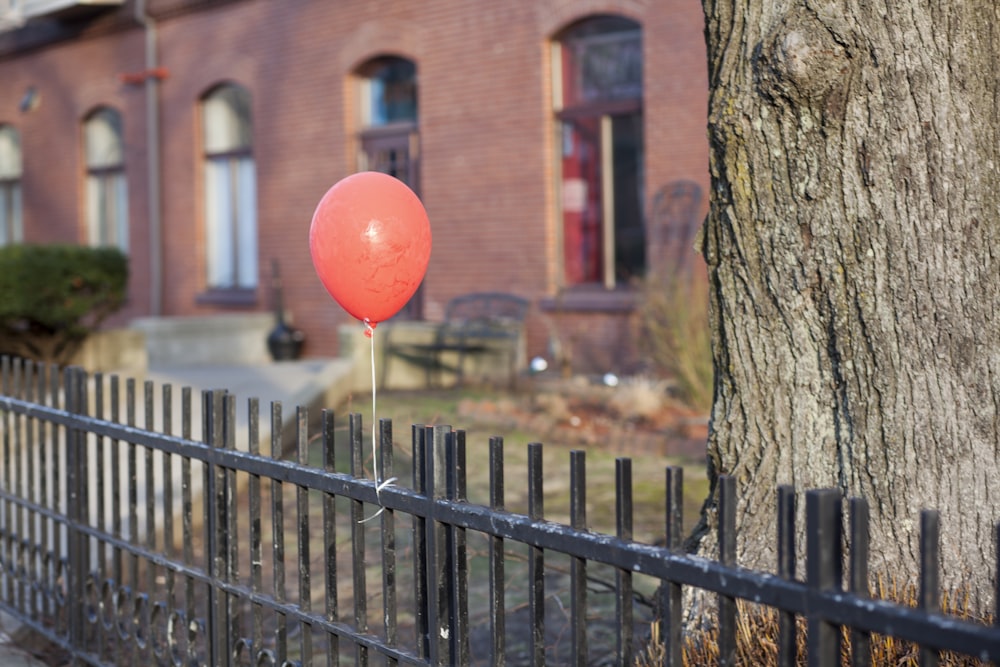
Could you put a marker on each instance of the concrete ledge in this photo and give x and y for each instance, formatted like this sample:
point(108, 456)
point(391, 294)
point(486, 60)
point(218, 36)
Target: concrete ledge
point(114, 350)
point(232, 338)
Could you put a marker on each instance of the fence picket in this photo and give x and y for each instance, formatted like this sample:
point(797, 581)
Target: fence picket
point(256, 535)
point(578, 565)
point(48, 378)
point(459, 554)
point(623, 577)
point(727, 556)
point(6, 544)
point(75, 485)
point(20, 516)
point(145, 621)
point(672, 616)
point(30, 549)
point(97, 581)
point(278, 539)
point(787, 639)
point(439, 573)
point(930, 580)
point(60, 506)
point(45, 525)
point(132, 467)
point(421, 435)
point(169, 604)
point(215, 528)
point(302, 532)
point(498, 612)
point(824, 565)
point(330, 538)
point(859, 541)
point(233, 610)
point(187, 520)
point(360, 591)
point(388, 528)
point(536, 557)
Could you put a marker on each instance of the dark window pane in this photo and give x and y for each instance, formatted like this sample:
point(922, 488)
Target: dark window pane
point(392, 91)
point(630, 233)
point(602, 62)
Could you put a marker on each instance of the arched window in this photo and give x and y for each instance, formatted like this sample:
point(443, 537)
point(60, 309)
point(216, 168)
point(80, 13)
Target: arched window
point(230, 189)
point(598, 102)
point(11, 226)
point(389, 139)
point(388, 95)
point(107, 193)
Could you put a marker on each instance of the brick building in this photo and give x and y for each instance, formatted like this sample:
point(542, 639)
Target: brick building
point(558, 146)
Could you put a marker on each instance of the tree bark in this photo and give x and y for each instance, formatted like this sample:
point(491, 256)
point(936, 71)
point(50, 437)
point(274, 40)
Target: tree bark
point(852, 246)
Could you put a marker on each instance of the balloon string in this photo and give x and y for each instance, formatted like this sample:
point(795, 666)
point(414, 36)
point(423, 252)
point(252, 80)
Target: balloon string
point(379, 485)
point(374, 447)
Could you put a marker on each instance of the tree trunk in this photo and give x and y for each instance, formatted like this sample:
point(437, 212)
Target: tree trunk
point(852, 245)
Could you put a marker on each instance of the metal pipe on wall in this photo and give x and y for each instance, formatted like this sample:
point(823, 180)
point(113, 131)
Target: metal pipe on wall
point(152, 84)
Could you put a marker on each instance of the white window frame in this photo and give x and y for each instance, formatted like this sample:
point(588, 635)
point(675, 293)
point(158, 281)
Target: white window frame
point(11, 170)
point(106, 186)
point(230, 182)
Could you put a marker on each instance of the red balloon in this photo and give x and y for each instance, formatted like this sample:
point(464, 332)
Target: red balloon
point(370, 241)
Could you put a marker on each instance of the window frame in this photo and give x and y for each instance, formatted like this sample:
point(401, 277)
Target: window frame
point(107, 217)
point(377, 137)
point(603, 112)
point(238, 238)
point(11, 198)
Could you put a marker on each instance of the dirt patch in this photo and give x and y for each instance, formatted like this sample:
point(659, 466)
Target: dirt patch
point(630, 421)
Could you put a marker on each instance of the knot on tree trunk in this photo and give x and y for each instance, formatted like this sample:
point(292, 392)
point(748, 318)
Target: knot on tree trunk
point(802, 60)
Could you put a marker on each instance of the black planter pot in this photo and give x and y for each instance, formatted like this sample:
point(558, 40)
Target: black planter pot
point(285, 342)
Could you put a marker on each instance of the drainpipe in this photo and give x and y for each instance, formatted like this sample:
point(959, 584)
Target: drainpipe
point(153, 161)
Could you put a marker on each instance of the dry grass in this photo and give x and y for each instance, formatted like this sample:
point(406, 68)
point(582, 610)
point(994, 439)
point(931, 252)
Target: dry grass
point(644, 397)
point(757, 637)
point(676, 337)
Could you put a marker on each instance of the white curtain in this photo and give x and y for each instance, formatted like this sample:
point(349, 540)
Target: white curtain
point(94, 227)
point(246, 205)
point(230, 190)
point(10, 153)
point(231, 222)
point(11, 230)
point(119, 211)
point(107, 194)
point(10, 186)
point(218, 217)
point(107, 210)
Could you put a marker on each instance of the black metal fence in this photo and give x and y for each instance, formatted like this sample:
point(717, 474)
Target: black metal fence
point(128, 544)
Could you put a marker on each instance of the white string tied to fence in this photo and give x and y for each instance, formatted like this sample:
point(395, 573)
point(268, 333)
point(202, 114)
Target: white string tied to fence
point(379, 484)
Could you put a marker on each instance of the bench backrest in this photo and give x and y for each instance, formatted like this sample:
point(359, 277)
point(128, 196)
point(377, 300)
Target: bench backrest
point(485, 314)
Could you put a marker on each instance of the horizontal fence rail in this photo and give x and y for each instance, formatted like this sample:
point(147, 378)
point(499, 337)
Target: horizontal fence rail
point(127, 538)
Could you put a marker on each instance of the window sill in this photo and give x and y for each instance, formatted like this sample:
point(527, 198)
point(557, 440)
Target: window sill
point(590, 299)
point(219, 296)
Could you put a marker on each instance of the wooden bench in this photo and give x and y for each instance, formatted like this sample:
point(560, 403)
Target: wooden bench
point(476, 324)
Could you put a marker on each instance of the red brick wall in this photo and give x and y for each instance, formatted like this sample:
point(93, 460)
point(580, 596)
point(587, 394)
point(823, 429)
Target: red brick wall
point(486, 148)
point(72, 80)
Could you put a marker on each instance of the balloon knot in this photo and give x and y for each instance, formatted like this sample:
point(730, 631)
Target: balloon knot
point(370, 328)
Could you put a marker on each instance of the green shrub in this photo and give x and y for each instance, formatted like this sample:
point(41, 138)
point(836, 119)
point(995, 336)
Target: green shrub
point(53, 296)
